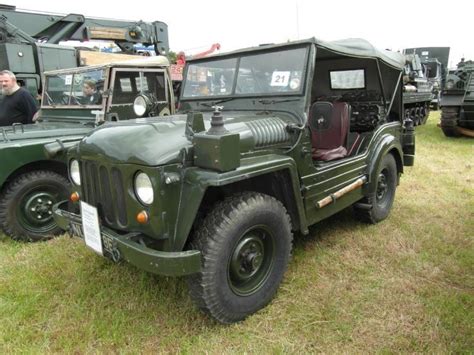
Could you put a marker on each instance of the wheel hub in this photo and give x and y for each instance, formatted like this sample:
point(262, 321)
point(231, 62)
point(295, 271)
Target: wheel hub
point(251, 261)
point(38, 208)
point(247, 258)
point(381, 186)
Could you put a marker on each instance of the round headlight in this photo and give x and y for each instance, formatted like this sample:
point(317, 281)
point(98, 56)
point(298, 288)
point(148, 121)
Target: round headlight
point(449, 84)
point(144, 188)
point(74, 171)
point(141, 105)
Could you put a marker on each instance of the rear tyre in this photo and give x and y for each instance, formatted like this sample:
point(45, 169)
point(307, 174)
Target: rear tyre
point(377, 207)
point(245, 243)
point(449, 121)
point(26, 205)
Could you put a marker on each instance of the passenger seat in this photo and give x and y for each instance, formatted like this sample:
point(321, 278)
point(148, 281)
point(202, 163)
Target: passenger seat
point(329, 124)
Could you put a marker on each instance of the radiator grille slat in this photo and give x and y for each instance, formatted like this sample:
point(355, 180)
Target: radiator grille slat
point(117, 183)
point(106, 196)
point(104, 189)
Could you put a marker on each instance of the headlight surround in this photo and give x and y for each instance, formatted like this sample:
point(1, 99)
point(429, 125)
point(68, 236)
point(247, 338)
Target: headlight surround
point(141, 105)
point(75, 172)
point(143, 188)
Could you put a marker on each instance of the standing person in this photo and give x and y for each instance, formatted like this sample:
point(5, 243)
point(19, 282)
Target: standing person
point(17, 104)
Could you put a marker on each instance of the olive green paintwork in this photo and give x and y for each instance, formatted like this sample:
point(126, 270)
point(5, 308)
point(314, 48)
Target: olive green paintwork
point(274, 146)
point(25, 146)
point(458, 95)
point(42, 146)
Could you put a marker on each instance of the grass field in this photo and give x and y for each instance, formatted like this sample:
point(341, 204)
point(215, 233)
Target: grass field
point(404, 285)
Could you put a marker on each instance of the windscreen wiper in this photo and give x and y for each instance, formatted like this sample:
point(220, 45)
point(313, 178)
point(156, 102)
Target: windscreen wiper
point(269, 102)
point(214, 103)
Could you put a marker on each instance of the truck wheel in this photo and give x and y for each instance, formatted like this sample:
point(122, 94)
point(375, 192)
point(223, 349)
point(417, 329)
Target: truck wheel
point(26, 205)
point(376, 208)
point(245, 243)
point(425, 112)
point(449, 121)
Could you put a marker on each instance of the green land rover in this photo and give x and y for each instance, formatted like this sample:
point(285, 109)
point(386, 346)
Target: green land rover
point(33, 169)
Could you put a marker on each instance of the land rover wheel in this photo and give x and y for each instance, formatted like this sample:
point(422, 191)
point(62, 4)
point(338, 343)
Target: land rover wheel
point(26, 205)
point(245, 243)
point(449, 121)
point(377, 207)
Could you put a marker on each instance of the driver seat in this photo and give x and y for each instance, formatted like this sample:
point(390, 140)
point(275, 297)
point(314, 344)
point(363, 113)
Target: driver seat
point(329, 124)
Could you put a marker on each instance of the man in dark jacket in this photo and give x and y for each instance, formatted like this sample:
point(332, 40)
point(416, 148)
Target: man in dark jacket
point(91, 95)
point(17, 104)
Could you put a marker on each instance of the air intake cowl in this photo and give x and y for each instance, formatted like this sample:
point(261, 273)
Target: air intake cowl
point(268, 131)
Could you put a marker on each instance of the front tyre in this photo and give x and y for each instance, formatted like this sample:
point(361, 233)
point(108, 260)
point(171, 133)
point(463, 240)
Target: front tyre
point(26, 205)
point(245, 243)
point(378, 206)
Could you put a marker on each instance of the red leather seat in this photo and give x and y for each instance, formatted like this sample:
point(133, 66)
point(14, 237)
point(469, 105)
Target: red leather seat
point(329, 124)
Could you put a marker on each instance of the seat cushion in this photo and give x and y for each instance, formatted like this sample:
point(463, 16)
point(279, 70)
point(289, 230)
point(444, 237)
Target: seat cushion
point(329, 154)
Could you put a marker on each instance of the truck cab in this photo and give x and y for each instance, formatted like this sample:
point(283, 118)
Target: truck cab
point(33, 175)
point(267, 142)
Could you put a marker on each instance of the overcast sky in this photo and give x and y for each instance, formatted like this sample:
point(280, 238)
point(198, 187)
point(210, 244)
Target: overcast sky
point(195, 25)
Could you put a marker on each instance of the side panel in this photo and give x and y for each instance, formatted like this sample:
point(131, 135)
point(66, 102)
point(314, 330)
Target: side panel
point(52, 57)
point(15, 157)
point(18, 58)
point(329, 177)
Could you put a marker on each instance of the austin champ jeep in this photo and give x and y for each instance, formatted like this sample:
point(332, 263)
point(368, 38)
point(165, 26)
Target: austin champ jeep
point(267, 142)
point(33, 169)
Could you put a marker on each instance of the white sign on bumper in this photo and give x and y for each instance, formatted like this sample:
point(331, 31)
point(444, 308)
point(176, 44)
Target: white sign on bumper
point(90, 226)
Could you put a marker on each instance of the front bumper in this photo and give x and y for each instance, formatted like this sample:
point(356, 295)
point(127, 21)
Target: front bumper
point(118, 247)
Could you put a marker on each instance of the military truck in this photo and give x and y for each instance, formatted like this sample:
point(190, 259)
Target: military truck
point(435, 60)
point(267, 142)
point(457, 101)
point(417, 90)
point(32, 42)
point(33, 171)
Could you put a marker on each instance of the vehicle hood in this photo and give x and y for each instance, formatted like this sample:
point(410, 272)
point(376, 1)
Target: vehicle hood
point(151, 141)
point(42, 131)
point(158, 141)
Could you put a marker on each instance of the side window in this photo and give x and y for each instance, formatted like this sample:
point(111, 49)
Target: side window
point(129, 84)
point(125, 87)
point(154, 82)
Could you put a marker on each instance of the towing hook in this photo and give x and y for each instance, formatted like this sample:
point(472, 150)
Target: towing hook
point(115, 254)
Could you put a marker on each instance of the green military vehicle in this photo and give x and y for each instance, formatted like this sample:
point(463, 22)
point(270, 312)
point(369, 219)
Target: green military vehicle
point(30, 41)
point(417, 90)
point(269, 141)
point(435, 61)
point(33, 171)
point(457, 101)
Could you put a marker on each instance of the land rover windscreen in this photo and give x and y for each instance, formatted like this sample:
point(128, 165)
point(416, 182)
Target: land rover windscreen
point(74, 89)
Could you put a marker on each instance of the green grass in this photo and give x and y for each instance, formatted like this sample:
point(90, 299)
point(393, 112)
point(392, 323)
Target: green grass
point(404, 285)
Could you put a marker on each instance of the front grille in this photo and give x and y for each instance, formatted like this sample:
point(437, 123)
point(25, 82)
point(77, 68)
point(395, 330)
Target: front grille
point(104, 190)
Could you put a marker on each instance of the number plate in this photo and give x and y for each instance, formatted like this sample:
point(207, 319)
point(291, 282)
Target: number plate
point(91, 228)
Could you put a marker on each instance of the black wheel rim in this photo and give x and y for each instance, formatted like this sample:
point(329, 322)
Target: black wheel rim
point(251, 261)
point(35, 212)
